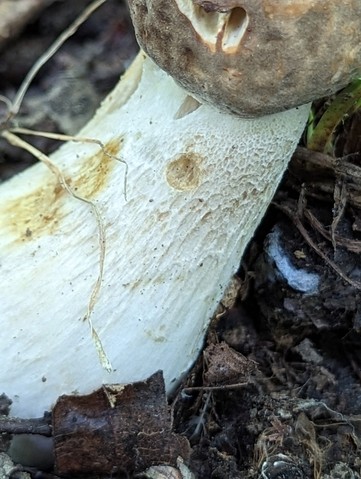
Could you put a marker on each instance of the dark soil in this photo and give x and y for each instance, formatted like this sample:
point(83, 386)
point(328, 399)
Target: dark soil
point(289, 405)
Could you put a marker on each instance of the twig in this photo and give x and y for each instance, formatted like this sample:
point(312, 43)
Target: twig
point(353, 246)
point(14, 425)
point(297, 222)
point(339, 206)
point(214, 388)
point(48, 54)
point(340, 166)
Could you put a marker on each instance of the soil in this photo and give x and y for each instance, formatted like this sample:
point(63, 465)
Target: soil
point(277, 391)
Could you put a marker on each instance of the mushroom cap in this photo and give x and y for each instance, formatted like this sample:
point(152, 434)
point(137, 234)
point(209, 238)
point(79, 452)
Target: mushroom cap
point(253, 57)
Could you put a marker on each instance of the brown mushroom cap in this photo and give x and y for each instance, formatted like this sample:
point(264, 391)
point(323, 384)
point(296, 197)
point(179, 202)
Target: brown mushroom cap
point(253, 57)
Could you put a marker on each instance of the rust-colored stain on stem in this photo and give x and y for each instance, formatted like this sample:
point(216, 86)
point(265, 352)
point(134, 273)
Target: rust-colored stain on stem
point(41, 211)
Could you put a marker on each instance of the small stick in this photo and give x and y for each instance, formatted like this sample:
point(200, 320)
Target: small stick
point(15, 425)
point(49, 53)
point(214, 388)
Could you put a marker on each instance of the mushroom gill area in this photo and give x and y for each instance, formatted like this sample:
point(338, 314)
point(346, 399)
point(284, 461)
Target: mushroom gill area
point(220, 27)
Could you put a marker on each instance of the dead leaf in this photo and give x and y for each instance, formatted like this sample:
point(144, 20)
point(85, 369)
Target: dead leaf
point(226, 366)
point(118, 428)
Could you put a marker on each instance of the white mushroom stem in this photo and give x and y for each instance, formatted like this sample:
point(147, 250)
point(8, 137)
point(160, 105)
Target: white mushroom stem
point(198, 183)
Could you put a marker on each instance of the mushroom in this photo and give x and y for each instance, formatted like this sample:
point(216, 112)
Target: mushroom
point(143, 248)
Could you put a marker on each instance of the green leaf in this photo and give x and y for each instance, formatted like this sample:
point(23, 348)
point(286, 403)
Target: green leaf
point(320, 137)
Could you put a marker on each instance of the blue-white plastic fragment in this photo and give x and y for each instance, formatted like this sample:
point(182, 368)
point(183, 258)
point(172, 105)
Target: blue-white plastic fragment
point(298, 279)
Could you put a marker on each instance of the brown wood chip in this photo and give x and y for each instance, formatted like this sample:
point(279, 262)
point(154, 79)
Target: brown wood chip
point(118, 428)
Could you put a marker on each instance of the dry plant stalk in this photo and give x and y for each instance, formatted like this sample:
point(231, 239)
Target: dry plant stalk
point(12, 138)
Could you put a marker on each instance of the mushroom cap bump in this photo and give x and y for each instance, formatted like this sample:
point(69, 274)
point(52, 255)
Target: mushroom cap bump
point(253, 57)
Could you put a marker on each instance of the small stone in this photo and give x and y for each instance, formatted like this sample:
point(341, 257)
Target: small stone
point(7, 468)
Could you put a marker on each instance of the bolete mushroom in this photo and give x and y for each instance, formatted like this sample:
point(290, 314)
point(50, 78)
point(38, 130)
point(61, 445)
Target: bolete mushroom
point(198, 181)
